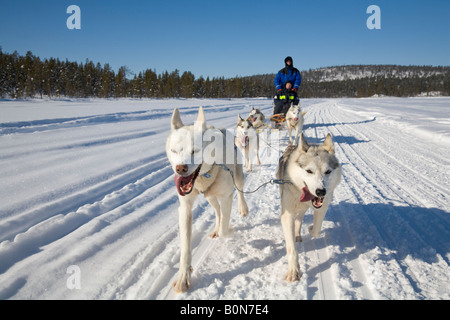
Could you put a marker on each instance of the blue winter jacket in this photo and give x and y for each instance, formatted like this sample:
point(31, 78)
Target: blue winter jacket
point(288, 74)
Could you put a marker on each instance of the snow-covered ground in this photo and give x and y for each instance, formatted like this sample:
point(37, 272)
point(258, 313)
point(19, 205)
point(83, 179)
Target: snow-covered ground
point(87, 193)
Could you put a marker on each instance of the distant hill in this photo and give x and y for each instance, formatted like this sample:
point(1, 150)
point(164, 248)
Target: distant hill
point(30, 76)
point(343, 73)
point(368, 80)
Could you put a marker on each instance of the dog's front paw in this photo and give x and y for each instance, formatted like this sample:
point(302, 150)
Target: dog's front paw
point(313, 233)
point(293, 275)
point(243, 210)
point(298, 239)
point(183, 283)
point(226, 234)
point(214, 235)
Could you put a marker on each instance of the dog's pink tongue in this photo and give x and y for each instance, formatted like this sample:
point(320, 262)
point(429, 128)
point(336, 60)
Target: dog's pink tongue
point(306, 195)
point(178, 179)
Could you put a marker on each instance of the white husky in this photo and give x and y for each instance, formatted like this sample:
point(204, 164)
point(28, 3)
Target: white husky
point(191, 179)
point(313, 173)
point(294, 121)
point(247, 141)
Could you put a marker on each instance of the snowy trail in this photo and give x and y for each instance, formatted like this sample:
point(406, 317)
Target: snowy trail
point(87, 183)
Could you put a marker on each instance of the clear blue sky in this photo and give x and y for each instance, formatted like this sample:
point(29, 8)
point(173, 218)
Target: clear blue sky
point(228, 38)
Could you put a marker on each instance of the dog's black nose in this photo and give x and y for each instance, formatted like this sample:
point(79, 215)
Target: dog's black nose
point(321, 192)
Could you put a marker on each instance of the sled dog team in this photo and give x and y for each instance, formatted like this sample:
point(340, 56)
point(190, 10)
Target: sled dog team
point(311, 172)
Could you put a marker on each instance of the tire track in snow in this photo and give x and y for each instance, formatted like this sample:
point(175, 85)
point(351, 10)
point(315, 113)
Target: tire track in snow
point(437, 192)
point(57, 225)
point(140, 259)
point(318, 265)
point(408, 195)
point(332, 261)
point(361, 174)
point(100, 238)
point(376, 192)
point(100, 187)
point(395, 240)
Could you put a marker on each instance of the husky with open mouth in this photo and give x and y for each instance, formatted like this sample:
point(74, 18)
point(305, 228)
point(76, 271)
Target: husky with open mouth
point(195, 174)
point(312, 172)
point(257, 119)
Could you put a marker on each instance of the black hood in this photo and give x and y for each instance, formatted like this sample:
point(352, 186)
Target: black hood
point(287, 69)
point(289, 59)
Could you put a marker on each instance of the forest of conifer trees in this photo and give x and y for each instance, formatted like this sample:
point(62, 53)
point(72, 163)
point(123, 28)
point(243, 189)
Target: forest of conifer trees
point(30, 76)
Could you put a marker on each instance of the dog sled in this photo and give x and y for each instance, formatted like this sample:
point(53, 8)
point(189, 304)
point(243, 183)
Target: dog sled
point(278, 121)
point(284, 103)
point(281, 104)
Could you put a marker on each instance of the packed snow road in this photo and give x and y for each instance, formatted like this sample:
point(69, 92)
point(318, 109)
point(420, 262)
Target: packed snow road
point(88, 208)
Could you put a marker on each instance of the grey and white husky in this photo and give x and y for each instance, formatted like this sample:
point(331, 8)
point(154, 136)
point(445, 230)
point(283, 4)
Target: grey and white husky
point(247, 141)
point(184, 145)
point(313, 172)
point(294, 121)
point(257, 118)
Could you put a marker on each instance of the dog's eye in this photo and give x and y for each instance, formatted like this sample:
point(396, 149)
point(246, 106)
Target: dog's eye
point(328, 172)
point(309, 171)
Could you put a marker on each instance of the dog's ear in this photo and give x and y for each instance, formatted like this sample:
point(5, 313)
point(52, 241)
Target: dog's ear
point(303, 143)
point(328, 144)
point(201, 119)
point(240, 118)
point(176, 122)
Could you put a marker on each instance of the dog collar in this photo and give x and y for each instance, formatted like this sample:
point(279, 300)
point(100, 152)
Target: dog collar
point(207, 174)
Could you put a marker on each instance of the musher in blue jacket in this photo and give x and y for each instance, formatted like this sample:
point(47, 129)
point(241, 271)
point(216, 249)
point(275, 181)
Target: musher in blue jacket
point(287, 82)
point(288, 73)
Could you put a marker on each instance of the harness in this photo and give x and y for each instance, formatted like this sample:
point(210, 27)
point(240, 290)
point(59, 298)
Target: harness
point(271, 181)
point(306, 194)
